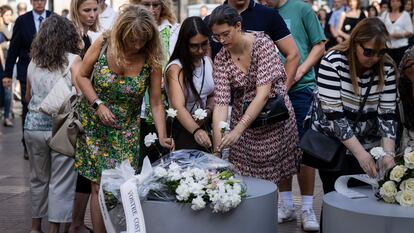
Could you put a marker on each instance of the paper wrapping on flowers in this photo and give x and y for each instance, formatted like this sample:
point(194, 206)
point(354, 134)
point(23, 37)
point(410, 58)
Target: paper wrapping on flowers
point(192, 177)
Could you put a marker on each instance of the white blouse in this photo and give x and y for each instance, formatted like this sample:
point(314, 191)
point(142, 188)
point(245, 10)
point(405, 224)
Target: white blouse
point(402, 24)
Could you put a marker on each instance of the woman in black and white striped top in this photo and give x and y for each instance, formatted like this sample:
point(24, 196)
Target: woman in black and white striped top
point(343, 78)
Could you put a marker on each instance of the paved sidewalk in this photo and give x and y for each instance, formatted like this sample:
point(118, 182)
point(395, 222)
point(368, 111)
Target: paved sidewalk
point(15, 208)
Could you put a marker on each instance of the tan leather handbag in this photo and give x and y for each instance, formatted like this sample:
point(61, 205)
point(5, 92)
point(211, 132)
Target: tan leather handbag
point(66, 125)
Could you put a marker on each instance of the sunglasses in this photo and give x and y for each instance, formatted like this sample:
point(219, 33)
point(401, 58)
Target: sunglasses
point(371, 52)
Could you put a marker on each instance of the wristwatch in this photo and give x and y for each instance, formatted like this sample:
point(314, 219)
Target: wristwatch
point(96, 104)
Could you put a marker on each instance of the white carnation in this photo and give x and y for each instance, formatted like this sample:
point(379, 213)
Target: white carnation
point(198, 203)
point(405, 198)
point(377, 152)
point(150, 139)
point(224, 126)
point(160, 172)
point(200, 114)
point(171, 113)
point(397, 173)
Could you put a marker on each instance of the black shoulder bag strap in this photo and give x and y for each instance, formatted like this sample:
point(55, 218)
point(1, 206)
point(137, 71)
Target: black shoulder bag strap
point(361, 106)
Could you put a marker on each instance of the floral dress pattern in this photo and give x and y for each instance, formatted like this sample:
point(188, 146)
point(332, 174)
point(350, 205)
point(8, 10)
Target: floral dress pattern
point(269, 152)
point(102, 147)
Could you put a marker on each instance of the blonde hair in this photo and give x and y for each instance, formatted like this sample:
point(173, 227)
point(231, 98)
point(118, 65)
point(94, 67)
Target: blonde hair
point(366, 30)
point(166, 10)
point(134, 22)
point(75, 18)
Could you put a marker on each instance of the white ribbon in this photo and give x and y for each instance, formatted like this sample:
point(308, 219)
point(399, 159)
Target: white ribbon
point(129, 194)
point(341, 185)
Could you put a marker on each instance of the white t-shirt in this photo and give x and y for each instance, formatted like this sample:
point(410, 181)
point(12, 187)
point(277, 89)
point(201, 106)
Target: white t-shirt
point(205, 70)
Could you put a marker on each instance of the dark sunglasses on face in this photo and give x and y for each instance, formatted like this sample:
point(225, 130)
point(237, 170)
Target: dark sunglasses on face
point(371, 52)
point(195, 47)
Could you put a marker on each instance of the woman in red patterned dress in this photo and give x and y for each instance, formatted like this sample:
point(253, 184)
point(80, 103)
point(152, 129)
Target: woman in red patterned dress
point(249, 69)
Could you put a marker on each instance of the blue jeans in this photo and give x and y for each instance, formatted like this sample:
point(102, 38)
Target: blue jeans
point(7, 101)
point(301, 102)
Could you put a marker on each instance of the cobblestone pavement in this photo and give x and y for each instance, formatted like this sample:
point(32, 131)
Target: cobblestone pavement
point(15, 195)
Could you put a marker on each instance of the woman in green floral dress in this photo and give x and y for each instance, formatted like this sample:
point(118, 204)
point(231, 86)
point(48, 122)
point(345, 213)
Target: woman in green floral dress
point(110, 112)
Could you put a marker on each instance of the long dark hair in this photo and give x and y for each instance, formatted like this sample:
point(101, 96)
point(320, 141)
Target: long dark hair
point(189, 28)
point(56, 37)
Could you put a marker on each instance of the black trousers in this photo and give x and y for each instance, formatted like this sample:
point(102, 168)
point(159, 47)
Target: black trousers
point(24, 107)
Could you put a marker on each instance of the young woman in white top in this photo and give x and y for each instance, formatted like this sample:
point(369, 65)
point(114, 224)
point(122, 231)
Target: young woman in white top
point(52, 175)
point(190, 86)
point(399, 26)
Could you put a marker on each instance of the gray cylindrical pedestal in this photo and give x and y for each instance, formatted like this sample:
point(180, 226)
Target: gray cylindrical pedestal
point(257, 213)
point(364, 215)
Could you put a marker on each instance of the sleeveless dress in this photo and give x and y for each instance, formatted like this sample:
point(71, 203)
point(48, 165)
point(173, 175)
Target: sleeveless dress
point(350, 23)
point(102, 147)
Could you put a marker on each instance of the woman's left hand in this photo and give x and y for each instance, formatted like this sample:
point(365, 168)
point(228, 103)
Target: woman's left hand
point(229, 139)
point(167, 143)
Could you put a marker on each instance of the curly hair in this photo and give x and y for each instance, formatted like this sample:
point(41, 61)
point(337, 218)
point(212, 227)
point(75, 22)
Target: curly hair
point(166, 10)
point(132, 23)
point(57, 37)
point(74, 15)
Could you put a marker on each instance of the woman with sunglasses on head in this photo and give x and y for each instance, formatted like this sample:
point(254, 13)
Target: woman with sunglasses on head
point(345, 74)
point(189, 84)
point(249, 69)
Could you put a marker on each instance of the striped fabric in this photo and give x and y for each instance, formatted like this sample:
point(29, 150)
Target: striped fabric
point(336, 105)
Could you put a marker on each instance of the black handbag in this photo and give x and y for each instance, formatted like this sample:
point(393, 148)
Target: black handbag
point(324, 152)
point(275, 110)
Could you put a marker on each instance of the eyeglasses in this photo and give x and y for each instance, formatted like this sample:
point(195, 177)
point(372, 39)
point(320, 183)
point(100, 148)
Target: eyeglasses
point(154, 5)
point(371, 52)
point(222, 36)
point(195, 47)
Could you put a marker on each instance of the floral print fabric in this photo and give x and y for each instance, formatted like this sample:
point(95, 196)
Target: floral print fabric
point(102, 147)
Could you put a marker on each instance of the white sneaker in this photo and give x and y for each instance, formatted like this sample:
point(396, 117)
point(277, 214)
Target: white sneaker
point(309, 221)
point(286, 214)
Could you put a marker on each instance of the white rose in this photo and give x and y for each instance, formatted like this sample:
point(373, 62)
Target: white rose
point(200, 114)
point(409, 160)
point(407, 185)
point(171, 113)
point(160, 172)
point(198, 203)
point(150, 139)
point(397, 173)
point(347, 27)
point(388, 189)
point(377, 152)
point(389, 199)
point(405, 198)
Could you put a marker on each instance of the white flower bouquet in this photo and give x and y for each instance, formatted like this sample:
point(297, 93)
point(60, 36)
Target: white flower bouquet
point(196, 178)
point(191, 177)
point(398, 183)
